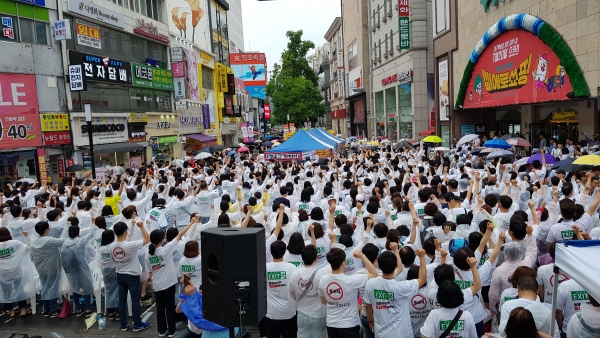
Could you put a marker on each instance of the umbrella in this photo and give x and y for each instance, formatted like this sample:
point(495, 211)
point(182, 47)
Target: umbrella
point(467, 139)
point(499, 153)
point(267, 144)
point(386, 141)
point(75, 167)
point(519, 142)
point(413, 141)
point(258, 141)
point(486, 150)
point(563, 163)
point(497, 144)
point(241, 145)
point(162, 157)
point(402, 144)
point(521, 161)
point(441, 149)
point(217, 148)
point(549, 158)
point(433, 139)
point(507, 136)
point(178, 163)
point(590, 160)
point(231, 153)
point(202, 156)
point(243, 150)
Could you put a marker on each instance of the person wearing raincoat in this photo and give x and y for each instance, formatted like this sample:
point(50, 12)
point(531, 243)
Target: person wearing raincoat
point(45, 252)
point(17, 274)
point(109, 273)
point(190, 304)
point(76, 267)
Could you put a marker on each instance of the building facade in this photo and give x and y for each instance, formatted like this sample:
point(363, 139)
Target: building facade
point(320, 64)
point(356, 55)
point(336, 93)
point(516, 67)
point(402, 73)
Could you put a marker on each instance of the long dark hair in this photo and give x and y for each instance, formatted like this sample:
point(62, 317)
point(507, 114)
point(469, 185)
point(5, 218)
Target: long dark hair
point(156, 236)
point(521, 324)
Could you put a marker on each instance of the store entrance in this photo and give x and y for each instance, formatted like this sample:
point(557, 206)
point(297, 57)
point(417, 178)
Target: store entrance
point(562, 131)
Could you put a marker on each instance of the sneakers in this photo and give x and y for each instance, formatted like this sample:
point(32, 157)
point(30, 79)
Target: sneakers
point(162, 334)
point(80, 313)
point(171, 335)
point(53, 315)
point(46, 314)
point(141, 327)
point(125, 328)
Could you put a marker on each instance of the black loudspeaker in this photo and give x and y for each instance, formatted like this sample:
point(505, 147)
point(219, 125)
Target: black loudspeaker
point(234, 274)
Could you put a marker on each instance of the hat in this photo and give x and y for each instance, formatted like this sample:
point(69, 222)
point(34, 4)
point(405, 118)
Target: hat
point(360, 198)
point(330, 197)
point(560, 171)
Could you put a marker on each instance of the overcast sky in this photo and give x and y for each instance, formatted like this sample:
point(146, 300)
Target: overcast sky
point(265, 23)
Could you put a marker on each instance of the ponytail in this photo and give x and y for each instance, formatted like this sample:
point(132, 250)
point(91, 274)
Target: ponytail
point(151, 249)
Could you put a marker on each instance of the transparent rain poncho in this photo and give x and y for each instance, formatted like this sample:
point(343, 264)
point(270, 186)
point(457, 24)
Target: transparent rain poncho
point(109, 276)
point(513, 251)
point(45, 252)
point(17, 273)
point(524, 197)
point(75, 264)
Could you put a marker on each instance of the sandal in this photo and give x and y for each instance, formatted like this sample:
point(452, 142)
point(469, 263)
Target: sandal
point(27, 313)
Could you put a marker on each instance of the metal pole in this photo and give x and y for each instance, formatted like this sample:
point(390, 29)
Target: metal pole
point(88, 120)
point(554, 296)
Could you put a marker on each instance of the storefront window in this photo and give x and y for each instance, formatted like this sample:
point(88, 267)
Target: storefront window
point(109, 97)
point(24, 23)
point(405, 109)
point(117, 45)
point(390, 112)
point(207, 78)
point(380, 113)
point(14, 166)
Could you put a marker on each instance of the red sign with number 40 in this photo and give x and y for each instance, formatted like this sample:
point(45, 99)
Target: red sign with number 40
point(19, 112)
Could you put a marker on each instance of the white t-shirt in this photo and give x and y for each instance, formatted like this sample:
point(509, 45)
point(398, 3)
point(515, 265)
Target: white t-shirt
point(538, 310)
point(278, 304)
point(473, 303)
point(162, 267)
point(439, 319)
point(293, 259)
point(419, 309)
point(390, 301)
point(323, 246)
point(310, 304)
point(508, 294)
point(569, 299)
point(341, 293)
point(545, 277)
point(192, 267)
point(125, 255)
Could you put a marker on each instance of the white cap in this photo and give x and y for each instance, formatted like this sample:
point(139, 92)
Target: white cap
point(360, 197)
point(331, 197)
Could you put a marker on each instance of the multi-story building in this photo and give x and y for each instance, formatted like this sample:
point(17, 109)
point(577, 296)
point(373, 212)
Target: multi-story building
point(235, 26)
point(320, 63)
point(518, 67)
point(355, 52)
point(402, 67)
point(336, 92)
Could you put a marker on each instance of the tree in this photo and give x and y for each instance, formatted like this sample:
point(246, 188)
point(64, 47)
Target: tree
point(294, 85)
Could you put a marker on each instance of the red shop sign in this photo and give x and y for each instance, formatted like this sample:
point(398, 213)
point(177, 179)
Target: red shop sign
point(267, 111)
point(57, 137)
point(403, 8)
point(517, 68)
point(19, 112)
point(432, 119)
point(60, 165)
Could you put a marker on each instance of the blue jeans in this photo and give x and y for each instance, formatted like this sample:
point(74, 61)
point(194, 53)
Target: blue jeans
point(50, 306)
point(87, 301)
point(479, 327)
point(186, 333)
point(366, 329)
point(131, 284)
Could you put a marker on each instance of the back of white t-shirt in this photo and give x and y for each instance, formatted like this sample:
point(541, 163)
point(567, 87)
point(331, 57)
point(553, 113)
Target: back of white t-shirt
point(569, 299)
point(125, 255)
point(278, 304)
point(341, 292)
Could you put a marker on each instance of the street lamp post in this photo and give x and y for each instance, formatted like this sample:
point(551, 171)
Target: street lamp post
point(88, 120)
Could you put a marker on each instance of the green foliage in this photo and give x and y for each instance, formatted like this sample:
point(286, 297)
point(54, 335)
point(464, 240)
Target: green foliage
point(293, 88)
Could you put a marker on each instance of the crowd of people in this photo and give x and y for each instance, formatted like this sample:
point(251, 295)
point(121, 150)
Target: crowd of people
point(379, 242)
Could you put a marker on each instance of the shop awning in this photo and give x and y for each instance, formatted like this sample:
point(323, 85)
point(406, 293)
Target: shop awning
point(427, 132)
point(121, 147)
point(206, 140)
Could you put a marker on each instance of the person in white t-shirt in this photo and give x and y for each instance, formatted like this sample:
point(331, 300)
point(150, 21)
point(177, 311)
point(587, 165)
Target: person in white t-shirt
point(124, 253)
point(303, 288)
point(391, 313)
point(339, 293)
point(570, 297)
point(159, 262)
point(281, 313)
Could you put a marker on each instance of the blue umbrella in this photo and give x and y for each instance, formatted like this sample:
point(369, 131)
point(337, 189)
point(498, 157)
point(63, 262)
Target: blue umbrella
point(497, 144)
point(267, 144)
point(549, 158)
point(231, 153)
point(563, 164)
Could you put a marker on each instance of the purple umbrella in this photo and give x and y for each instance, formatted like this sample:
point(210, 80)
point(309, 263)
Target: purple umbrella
point(549, 158)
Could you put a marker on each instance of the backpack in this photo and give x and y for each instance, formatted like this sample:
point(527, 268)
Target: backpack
point(456, 244)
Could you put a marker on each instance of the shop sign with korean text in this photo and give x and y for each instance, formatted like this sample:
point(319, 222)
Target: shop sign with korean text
point(285, 156)
point(177, 54)
point(19, 112)
point(324, 153)
point(102, 69)
point(55, 122)
point(62, 30)
point(88, 34)
point(179, 87)
point(138, 118)
point(57, 138)
point(403, 8)
point(404, 32)
point(151, 77)
point(42, 166)
point(517, 68)
point(96, 12)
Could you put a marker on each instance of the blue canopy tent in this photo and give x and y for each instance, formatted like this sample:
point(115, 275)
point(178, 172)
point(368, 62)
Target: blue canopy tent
point(300, 141)
point(317, 135)
point(329, 136)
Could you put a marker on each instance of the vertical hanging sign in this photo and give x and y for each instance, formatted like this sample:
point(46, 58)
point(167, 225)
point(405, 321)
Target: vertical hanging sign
point(404, 23)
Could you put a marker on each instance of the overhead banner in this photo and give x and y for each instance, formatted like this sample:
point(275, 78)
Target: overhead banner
point(286, 156)
point(517, 68)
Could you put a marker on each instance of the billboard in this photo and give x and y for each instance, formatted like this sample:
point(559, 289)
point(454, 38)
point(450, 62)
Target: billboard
point(252, 69)
point(517, 68)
